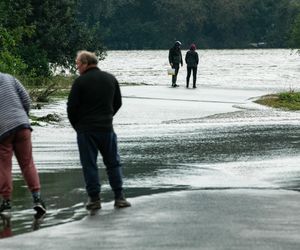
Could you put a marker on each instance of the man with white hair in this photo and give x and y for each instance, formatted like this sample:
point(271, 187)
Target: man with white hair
point(94, 99)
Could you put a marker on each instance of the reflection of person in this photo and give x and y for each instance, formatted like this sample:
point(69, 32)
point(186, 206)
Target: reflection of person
point(175, 58)
point(192, 60)
point(6, 230)
point(15, 137)
point(94, 99)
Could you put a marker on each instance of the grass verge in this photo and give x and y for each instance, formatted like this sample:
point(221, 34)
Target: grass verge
point(286, 100)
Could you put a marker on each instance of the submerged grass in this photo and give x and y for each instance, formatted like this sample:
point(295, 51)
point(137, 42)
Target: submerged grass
point(286, 100)
point(42, 89)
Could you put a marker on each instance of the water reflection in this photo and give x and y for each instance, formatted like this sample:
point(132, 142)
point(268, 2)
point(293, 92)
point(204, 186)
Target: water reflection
point(37, 221)
point(5, 227)
point(63, 192)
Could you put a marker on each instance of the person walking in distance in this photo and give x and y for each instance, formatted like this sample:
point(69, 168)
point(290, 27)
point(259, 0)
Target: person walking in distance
point(15, 138)
point(175, 58)
point(94, 99)
point(192, 60)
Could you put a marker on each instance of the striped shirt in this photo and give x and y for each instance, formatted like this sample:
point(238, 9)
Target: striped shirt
point(14, 105)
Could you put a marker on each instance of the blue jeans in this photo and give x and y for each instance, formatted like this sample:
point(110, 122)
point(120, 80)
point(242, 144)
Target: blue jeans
point(89, 144)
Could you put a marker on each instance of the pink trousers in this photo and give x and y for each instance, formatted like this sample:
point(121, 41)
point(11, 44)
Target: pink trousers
point(20, 144)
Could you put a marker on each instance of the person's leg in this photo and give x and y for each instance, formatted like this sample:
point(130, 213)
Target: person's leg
point(194, 76)
point(111, 159)
point(174, 77)
point(176, 72)
point(23, 151)
point(109, 151)
point(6, 153)
point(189, 69)
point(88, 153)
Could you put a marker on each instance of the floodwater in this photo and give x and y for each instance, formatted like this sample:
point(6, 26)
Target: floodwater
point(177, 139)
point(267, 69)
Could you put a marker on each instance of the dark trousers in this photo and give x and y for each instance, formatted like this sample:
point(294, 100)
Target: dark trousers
point(89, 144)
point(174, 77)
point(189, 70)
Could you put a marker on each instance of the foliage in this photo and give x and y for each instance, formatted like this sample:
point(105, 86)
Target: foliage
point(12, 31)
point(58, 36)
point(11, 63)
point(156, 24)
point(40, 36)
point(295, 28)
point(290, 96)
point(43, 89)
point(286, 100)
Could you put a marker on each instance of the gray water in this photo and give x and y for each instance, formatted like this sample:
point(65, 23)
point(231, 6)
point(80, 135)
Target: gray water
point(168, 145)
point(268, 69)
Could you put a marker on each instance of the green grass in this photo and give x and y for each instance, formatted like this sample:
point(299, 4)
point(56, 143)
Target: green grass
point(44, 89)
point(286, 100)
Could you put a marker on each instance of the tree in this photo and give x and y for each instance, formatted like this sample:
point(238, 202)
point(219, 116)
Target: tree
point(43, 35)
point(58, 35)
point(13, 29)
point(136, 24)
point(294, 38)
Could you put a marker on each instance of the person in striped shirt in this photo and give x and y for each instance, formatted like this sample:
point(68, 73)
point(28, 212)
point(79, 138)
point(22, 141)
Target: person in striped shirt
point(15, 138)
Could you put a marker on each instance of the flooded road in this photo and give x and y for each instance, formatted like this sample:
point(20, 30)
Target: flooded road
point(169, 139)
point(265, 69)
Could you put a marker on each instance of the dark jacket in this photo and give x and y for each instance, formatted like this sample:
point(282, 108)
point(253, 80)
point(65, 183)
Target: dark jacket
point(191, 58)
point(175, 56)
point(94, 99)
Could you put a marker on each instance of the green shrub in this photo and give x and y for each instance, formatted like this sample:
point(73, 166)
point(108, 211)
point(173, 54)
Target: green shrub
point(289, 96)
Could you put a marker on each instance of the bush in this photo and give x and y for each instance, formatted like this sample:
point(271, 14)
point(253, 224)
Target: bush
point(11, 64)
